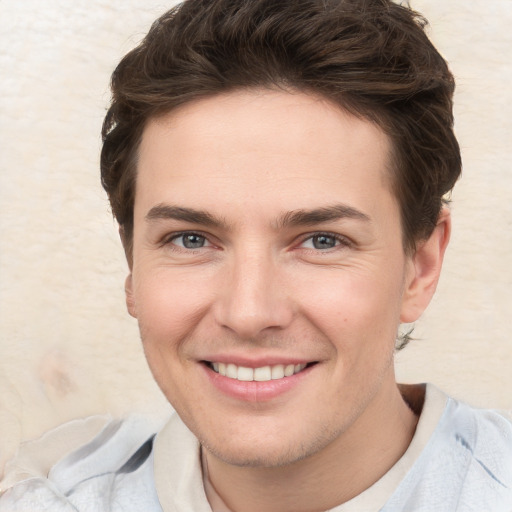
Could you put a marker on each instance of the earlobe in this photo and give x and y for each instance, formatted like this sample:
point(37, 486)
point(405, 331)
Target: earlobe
point(425, 269)
point(130, 299)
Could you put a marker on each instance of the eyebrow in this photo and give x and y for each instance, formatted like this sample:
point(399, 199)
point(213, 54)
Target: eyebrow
point(318, 215)
point(166, 211)
point(293, 218)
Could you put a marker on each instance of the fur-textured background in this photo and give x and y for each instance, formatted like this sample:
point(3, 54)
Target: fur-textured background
point(68, 347)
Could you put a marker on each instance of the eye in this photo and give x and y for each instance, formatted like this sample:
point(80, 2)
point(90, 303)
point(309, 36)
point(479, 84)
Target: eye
point(190, 240)
point(323, 241)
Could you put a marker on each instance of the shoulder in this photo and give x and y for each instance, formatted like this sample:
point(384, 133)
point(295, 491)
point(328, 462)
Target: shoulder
point(112, 463)
point(486, 435)
point(466, 464)
point(483, 438)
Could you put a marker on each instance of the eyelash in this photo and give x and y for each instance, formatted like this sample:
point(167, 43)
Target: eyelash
point(168, 240)
point(340, 240)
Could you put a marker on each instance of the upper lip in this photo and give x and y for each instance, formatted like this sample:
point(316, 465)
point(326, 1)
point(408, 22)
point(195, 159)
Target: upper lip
point(256, 362)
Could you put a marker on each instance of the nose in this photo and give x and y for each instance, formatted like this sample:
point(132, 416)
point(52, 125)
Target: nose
point(253, 297)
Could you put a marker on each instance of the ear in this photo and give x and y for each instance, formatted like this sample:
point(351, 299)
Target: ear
point(130, 299)
point(424, 270)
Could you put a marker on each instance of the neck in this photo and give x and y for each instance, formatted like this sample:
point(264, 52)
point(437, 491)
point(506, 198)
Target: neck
point(353, 462)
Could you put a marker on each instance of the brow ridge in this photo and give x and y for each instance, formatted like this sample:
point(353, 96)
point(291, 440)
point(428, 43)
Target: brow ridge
point(319, 215)
point(167, 211)
point(293, 218)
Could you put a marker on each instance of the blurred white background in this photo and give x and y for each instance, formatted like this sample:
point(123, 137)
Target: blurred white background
point(68, 347)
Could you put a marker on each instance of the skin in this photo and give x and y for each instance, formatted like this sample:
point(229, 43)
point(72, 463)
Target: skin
point(263, 285)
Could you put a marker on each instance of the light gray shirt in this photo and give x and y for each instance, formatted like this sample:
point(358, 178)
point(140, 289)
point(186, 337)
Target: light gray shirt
point(460, 460)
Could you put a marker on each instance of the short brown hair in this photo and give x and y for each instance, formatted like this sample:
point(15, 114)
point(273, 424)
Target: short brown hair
point(370, 57)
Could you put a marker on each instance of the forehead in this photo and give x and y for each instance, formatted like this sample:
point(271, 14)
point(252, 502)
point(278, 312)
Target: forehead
point(266, 149)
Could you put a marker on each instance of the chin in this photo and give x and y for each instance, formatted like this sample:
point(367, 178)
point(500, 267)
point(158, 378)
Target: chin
point(249, 457)
point(266, 450)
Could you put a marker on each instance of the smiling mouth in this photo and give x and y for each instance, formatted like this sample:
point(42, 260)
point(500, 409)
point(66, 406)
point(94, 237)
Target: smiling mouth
point(261, 374)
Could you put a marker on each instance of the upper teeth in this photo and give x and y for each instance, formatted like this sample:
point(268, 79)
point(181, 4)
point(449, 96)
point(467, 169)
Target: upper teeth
point(262, 374)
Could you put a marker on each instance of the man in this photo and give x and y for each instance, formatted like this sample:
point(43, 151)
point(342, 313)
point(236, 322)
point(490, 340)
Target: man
point(278, 170)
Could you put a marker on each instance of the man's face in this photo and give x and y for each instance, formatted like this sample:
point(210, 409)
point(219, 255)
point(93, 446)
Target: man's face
point(267, 244)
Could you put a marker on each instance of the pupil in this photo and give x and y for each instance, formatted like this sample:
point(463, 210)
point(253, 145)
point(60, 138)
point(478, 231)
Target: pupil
point(193, 241)
point(323, 242)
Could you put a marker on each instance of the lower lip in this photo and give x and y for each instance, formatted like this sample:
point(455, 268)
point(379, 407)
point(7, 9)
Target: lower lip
point(255, 391)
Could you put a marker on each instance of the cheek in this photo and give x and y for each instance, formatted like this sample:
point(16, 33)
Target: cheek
point(168, 303)
point(355, 310)
point(352, 296)
point(169, 308)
